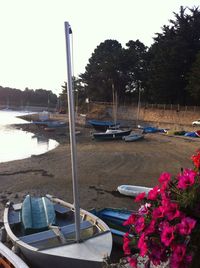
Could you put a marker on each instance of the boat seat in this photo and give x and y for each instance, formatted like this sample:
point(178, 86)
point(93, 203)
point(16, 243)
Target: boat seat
point(70, 228)
point(49, 234)
point(61, 209)
point(37, 237)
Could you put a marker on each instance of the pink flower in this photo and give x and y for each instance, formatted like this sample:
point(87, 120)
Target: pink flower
point(126, 247)
point(132, 261)
point(142, 245)
point(140, 197)
point(140, 225)
point(171, 211)
point(178, 252)
point(157, 254)
point(151, 227)
point(186, 226)
point(164, 180)
point(153, 194)
point(130, 220)
point(186, 179)
point(167, 236)
point(144, 209)
point(158, 212)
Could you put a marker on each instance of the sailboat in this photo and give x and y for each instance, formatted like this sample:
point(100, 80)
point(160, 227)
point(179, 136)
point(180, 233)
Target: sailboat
point(113, 133)
point(50, 232)
point(100, 125)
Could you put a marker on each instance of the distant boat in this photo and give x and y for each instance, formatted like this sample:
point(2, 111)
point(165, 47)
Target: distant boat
point(8, 259)
point(111, 134)
point(43, 229)
point(114, 218)
point(132, 190)
point(102, 125)
point(197, 133)
point(191, 134)
point(133, 137)
point(50, 123)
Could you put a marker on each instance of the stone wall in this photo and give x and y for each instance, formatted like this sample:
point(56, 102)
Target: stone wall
point(157, 115)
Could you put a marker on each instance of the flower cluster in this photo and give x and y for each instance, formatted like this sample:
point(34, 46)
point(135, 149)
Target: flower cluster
point(166, 226)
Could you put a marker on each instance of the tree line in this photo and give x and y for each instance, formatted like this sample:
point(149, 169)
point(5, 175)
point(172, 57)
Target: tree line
point(166, 72)
point(28, 97)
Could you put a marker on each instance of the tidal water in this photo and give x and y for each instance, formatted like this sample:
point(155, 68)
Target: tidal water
point(17, 144)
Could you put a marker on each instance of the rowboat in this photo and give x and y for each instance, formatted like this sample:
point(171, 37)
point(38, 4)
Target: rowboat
point(43, 230)
point(133, 137)
point(111, 134)
point(102, 125)
point(114, 218)
point(8, 259)
point(133, 190)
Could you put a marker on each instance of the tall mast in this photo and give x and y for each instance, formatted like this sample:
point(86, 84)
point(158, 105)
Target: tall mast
point(71, 111)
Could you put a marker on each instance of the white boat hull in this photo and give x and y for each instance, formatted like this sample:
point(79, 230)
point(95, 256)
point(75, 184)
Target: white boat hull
point(9, 255)
point(133, 190)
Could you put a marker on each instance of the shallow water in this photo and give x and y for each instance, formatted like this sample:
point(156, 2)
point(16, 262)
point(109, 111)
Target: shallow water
point(17, 144)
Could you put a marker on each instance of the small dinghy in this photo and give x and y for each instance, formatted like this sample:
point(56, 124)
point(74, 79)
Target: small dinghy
point(102, 125)
point(132, 190)
point(133, 137)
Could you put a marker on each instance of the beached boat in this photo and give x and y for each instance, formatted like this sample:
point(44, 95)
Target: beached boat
point(111, 134)
point(43, 229)
point(132, 190)
point(102, 125)
point(114, 218)
point(8, 259)
point(50, 124)
point(197, 132)
point(133, 137)
point(51, 232)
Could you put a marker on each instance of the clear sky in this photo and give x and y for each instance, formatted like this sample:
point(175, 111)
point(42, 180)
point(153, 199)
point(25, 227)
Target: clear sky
point(32, 40)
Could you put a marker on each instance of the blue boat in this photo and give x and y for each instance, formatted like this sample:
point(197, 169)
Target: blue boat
point(114, 218)
point(102, 125)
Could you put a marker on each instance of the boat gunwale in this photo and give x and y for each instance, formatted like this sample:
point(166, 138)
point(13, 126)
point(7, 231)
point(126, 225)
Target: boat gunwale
point(100, 225)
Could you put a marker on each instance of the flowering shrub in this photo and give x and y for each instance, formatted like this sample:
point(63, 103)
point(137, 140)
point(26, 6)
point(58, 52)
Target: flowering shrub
point(166, 227)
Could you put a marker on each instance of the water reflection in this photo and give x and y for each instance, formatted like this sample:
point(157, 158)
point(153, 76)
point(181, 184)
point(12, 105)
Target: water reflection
point(17, 144)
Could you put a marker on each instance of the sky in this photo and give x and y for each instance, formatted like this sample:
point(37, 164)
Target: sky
point(32, 38)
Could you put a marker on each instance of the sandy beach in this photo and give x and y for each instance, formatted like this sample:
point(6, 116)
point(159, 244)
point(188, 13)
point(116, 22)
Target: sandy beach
point(102, 166)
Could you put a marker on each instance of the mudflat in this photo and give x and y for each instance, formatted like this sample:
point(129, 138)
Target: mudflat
point(102, 167)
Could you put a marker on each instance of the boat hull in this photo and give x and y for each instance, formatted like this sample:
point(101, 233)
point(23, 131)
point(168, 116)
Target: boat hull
point(111, 136)
point(37, 259)
point(102, 125)
point(114, 218)
point(47, 249)
point(11, 257)
point(133, 137)
point(133, 190)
